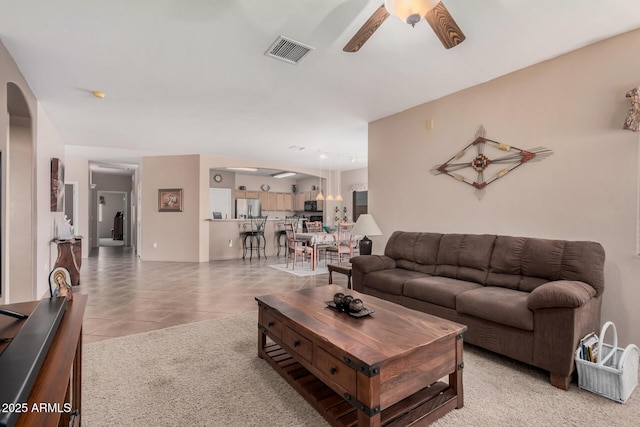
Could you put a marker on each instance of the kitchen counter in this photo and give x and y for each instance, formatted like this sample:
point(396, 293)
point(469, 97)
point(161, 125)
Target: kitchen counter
point(225, 238)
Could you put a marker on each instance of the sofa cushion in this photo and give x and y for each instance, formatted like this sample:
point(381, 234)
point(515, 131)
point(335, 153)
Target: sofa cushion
point(437, 290)
point(413, 250)
point(496, 304)
point(390, 281)
point(583, 262)
point(526, 263)
point(505, 267)
point(465, 256)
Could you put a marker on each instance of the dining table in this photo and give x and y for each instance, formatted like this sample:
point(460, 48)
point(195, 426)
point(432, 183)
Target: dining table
point(313, 239)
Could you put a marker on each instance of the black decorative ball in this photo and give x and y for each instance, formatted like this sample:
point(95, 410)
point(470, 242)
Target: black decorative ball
point(356, 305)
point(337, 299)
point(346, 300)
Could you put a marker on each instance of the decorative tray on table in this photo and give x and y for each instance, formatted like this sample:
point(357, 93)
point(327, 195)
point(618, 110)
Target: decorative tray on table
point(362, 313)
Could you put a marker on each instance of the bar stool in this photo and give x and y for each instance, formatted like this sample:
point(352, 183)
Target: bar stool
point(254, 235)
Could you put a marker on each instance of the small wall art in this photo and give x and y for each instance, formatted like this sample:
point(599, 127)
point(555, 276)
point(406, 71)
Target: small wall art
point(170, 200)
point(57, 185)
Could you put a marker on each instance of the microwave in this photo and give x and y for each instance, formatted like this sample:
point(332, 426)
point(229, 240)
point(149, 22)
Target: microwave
point(313, 206)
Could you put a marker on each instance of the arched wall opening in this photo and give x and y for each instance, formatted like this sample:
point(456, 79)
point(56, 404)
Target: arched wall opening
point(18, 210)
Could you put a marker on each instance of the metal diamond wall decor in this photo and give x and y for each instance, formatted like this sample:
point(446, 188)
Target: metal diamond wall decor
point(480, 164)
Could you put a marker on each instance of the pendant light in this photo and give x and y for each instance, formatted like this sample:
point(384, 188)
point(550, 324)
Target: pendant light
point(329, 181)
point(320, 196)
point(339, 182)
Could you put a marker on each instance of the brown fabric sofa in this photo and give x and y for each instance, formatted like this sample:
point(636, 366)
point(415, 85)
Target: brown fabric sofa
point(526, 298)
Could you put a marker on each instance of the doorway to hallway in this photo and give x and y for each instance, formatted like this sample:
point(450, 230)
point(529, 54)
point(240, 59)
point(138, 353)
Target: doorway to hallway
point(112, 206)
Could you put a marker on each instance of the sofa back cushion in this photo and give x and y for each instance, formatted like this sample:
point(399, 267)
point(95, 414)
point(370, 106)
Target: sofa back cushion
point(520, 263)
point(465, 256)
point(414, 251)
point(526, 263)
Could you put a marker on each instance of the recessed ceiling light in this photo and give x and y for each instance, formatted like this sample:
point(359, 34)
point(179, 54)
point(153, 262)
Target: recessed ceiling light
point(98, 94)
point(243, 169)
point(283, 174)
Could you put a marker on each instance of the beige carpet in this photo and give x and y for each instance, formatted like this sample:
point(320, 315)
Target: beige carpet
point(208, 374)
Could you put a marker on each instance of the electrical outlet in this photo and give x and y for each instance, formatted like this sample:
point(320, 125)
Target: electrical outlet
point(230, 243)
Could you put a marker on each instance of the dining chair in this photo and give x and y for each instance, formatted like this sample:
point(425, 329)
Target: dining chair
point(314, 227)
point(344, 242)
point(295, 246)
point(294, 219)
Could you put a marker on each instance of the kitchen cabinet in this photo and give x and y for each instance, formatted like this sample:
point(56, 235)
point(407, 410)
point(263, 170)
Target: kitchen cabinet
point(248, 194)
point(310, 195)
point(264, 198)
point(298, 202)
point(273, 202)
point(284, 202)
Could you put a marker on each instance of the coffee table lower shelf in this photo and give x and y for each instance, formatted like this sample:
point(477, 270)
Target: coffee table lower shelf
point(419, 409)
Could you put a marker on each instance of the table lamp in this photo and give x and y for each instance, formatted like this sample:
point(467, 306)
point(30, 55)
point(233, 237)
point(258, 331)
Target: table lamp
point(366, 226)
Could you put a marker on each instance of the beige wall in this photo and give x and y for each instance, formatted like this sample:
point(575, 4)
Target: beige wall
point(20, 185)
point(77, 170)
point(49, 144)
point(587, 190)
point(176, 234)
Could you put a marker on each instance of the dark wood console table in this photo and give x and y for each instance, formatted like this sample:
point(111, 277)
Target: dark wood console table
point(60, 377)
point(70, 257)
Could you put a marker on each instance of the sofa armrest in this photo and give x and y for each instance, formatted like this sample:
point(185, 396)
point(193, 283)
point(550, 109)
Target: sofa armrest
point(561, 293)
point(368, 263)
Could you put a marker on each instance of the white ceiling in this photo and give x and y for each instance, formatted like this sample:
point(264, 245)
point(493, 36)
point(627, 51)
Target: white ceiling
point(190, 76)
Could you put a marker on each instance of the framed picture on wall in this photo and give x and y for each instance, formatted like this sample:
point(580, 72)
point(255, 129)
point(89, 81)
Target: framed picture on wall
point(170, 200)
point(57, 185)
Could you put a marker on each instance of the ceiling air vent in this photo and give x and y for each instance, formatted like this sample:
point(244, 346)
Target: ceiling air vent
point(288, 50)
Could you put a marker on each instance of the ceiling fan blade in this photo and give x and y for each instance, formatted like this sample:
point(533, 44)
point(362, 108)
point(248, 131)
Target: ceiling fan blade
point(366, 30)
point(444, 26)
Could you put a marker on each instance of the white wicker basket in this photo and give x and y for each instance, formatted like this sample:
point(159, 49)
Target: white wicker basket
point(615, 374)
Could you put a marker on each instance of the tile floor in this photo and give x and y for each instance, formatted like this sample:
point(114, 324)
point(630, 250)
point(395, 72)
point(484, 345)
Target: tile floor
point(129, 296)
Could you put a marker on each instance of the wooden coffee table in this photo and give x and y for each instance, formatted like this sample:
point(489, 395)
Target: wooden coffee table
point(382, 369)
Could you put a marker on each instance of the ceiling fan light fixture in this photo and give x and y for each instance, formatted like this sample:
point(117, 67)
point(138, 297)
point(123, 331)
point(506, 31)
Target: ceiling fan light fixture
point(410, 11)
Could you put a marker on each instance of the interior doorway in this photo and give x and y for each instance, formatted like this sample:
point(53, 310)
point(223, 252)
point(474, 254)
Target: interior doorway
point(111, 209)
point(71, 202)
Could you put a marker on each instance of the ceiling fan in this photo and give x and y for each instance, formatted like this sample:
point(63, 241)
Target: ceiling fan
point(411, 11)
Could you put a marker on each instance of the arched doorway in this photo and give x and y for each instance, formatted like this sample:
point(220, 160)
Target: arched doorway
point(18, 202)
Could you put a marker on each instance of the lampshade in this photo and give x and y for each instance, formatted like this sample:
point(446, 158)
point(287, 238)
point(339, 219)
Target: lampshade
point(410, 11)
point(366, 226)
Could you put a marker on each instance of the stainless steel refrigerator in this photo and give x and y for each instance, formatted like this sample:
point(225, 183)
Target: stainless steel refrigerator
point(246, 208)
